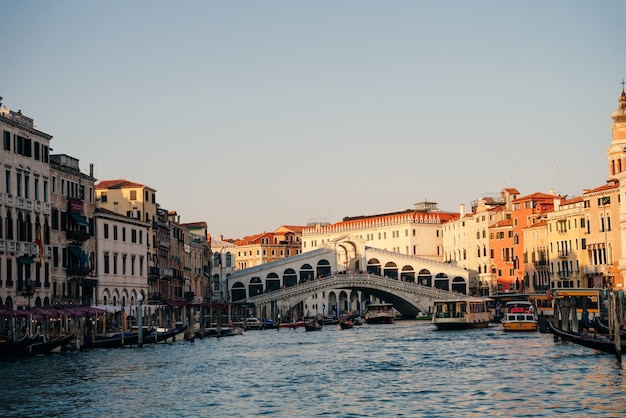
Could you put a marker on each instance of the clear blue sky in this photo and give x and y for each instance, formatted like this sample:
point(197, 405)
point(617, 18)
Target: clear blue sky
point(254, 114)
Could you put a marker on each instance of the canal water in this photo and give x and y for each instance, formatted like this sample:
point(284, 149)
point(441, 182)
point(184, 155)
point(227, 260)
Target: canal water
point(405, 369)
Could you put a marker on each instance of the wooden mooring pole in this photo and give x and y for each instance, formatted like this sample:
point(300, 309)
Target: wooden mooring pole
point(616, 315)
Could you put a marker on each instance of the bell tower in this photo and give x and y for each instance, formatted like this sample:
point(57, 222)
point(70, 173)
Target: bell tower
point(617, 150)
point(617, 171)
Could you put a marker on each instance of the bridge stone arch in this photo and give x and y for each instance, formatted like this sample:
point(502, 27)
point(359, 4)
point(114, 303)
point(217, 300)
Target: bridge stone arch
point(459, 284)
point(391, 270)
point(238, 291)
point(313, 266)
point(272, 282)
point(408, 274)
point(425, 278)
point(255, 287)
point(323, 268)
point(306, 273)
point(408, 298)
point(290, 278)
point(373, 266)
point(442, 282)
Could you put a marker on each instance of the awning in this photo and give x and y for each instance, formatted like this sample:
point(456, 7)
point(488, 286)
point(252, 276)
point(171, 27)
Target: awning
point(25, 260)
point(77, 252)
point(175, 303)
point(80, 219)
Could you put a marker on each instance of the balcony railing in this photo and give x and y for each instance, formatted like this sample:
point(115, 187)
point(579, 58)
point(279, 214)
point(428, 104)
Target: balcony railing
point(597, 269)
point(77, 235)
point(76, 271)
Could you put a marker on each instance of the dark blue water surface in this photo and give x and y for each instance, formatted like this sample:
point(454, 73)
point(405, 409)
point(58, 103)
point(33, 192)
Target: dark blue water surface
point(405, 369)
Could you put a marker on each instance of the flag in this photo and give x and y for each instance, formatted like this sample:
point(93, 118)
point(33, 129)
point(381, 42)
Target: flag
point(39, 242)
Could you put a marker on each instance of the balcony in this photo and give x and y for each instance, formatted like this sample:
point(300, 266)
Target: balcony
point(77, 235)
point(597, 269)
point(76, 271)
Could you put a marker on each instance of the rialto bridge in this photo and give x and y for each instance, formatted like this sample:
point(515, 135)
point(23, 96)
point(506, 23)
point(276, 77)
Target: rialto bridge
point(343, 275)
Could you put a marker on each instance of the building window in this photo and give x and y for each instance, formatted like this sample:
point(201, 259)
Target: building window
point(7, 140)
point(103, 197)
point(114, 232)
point(106, 231)
point(133, 195)
point(106, 263)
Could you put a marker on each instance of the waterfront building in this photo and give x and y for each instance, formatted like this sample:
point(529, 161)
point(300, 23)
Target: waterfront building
point(136, 201)
point(602, 242)
point(25, 210)
point(566, 231)
point(199, 262)
point(266, 247)
point(526, 211)
point(122, 248)
point(222, 266)
point(466, 240)
point(72, 233)
point(178, 239)
point(415, 232)
point(537, 256)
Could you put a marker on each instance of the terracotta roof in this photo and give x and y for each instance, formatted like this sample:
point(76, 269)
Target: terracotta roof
point(117, 184)
point(537, 196)
point(608, 186)
point(503, 223)
point(576, 199)
point(253, 239)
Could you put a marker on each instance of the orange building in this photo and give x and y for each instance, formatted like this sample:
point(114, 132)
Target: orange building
point(527, 211)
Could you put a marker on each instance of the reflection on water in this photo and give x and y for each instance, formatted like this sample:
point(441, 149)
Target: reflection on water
point(404, 369)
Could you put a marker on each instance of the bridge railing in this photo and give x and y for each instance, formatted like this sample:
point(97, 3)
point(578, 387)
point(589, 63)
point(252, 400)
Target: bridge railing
point(351, 280)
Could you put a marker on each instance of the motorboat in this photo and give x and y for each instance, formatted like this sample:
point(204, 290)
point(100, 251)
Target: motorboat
point(519, 316)
point(452, 314)
point(379, 313)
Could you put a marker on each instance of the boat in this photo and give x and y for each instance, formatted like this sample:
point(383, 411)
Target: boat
point(252, 323)
point(296, 324)
point(604, 329)
point(601, 344)
point(268, 324)
point(102, 341)
point(330, 320)
point(461, 314)
point(312, 326)
point(20, 347)
point(54, 345)
point(379, 313)
point(424, 316)
point(165, 335)
point(519, 316)
point(345, 324)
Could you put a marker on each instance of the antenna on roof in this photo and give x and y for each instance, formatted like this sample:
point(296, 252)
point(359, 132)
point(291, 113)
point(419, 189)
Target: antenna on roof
point(558, 181)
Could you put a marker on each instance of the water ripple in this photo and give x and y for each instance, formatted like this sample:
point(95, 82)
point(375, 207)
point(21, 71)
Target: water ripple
point(403, 370)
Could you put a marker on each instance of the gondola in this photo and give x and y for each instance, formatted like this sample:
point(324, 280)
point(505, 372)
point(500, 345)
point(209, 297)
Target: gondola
point(163, 336)
point(601, 344)
point(51, 345)
point(17, 347)
point(602, 328)
point(312, 326)
point(346, 324)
